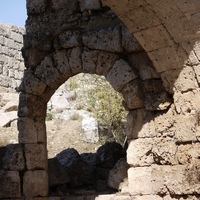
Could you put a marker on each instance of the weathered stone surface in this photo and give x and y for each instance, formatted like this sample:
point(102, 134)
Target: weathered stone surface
point(105, 62)
point(143, 64)
point(71, 5)
point(150, 38)
point(133, 95)
point(10, 184)
point(105, 39)
point(70, 39)
point(120, 74)
point(32, 85)
point(36, 6)
point(129, 42)
point(79, 171)
point(90, 130)
point(89, 61)
point(90, 5)
point(118, 174)
point(188, 153)
point(167, 179)
point(36, 156)
point(143, 152)
point(48, 73)
point(31, 105)
point(11, 106)
point(57, 173)
point(61, 62)
point(7, 118)
point(140, 124)
point(13, 158)
point(75, 61)
point(31, 131)
point(35, 183)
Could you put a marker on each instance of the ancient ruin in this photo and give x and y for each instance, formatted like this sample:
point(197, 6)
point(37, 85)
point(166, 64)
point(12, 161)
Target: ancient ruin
point(151, 55)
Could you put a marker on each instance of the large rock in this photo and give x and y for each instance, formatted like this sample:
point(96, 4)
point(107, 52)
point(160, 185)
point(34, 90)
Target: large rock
point(12, 158)
point(118, 174)
point(7, 118)
point(80, 172)
point(10, 184)
point(57, 173)
point(90, 130)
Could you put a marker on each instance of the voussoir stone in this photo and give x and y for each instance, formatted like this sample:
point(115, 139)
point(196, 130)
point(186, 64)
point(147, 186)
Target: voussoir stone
point(120, 74)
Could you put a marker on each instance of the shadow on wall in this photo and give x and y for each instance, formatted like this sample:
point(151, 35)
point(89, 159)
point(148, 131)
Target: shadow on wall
point(169, 33)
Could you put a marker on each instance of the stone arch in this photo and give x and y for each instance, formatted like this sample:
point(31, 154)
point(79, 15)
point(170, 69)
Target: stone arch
point(156, 95)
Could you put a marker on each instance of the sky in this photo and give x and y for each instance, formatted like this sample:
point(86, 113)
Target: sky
point(13, 12)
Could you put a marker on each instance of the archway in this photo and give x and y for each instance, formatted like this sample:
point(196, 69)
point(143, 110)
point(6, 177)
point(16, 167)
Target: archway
point(61, 42)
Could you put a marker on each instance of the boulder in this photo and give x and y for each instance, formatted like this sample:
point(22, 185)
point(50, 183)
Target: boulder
point(57, 173)
point(90, 130)
point(10, 106)
point(118, 174)
point(7, 118)
point(108, 154)
point(80, 172)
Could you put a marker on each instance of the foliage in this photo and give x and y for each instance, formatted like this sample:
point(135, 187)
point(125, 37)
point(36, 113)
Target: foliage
point(49, 116)
point(104, 103)
point(75, 116)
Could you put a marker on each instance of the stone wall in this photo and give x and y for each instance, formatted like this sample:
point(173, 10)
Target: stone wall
point(158, 78)
point(11, 61)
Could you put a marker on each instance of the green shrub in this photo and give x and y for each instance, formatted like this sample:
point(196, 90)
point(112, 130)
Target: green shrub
point(106, 105)
point(75, 116)
point(49, 116)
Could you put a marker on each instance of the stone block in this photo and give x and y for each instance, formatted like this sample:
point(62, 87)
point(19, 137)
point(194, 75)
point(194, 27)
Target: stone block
point(48, 73)
point(143, 15)
point(35, 183)
point(90, 5)
point(164, 152)
point(31, 131)
point(185, 129)
point(182, 30)
point(171, 11)
point(188, 153)
point(32, 85)
point(139, 152)
point(36, 156)
point(147, 197)
point(105, 39)
point(13, 158)
point(133, 94)
point(75, 60)
point(118, 174)
point(143, 64)
point(140, 181)
point(36, 6)
point(154, 38)
point(70, 6)
point(168, 58)
point(62, 63)
point(143, 152)
point(157, 179)
point(70, 39)
point(10, 184)
point(89, 61)
point(105, 62)
point(129, 42)
point(31, 106)
point(140, 124)
point(120, 74)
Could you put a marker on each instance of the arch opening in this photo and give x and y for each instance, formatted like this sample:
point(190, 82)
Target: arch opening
point(97, 46)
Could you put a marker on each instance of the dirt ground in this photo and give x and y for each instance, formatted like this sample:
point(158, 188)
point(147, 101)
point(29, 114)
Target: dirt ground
point(61, 134)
